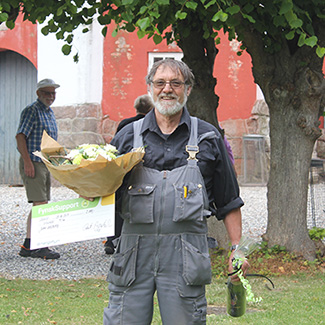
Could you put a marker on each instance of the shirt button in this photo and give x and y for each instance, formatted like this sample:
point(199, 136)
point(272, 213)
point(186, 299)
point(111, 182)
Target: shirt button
point(168, 149)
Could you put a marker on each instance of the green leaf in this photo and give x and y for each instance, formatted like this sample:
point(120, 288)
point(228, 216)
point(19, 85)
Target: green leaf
point(279, 21)
point(66, 49)
point(296, 23)
point(157, 39)
point(114, 33)
point(104, 20)
point(3, 16)
point(309, 29)
point(248, 8)
point(69, 38)
point(210, 3)
point(286, 6)
point(127, 15)
point(180, 15)
point(220, 15)
point(233, 10)
point(162, 2)
point(73, 9)
point(10, 24)
point(45, 30)
point(191, 5)
point(249, 18)
point(290, 16)
point(154, 14)
point(290, 35)
point(320, 51)
point(129, 28)
point(141, 34)
point(5, 6)
point(127, 2)
point(79, 3)
point(59, 34)
point(311, 41)
point(143, 9)
point(104, 31)
point(143, 23)
point(301, 40)
point(59, 12)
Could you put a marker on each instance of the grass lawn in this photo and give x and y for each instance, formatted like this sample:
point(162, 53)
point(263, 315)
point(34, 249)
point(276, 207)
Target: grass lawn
point(298, 297)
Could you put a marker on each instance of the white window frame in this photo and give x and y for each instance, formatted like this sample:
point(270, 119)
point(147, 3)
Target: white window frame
point(154, 56)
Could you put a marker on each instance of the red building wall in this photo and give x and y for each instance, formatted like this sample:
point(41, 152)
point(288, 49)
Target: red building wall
point(125, 68)
point(22, 39)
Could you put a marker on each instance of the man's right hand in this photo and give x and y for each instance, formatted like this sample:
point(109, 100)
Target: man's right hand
point(29, 169)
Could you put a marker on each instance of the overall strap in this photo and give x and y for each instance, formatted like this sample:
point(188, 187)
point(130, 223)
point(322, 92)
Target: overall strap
point(137, 139)
point(192, 147)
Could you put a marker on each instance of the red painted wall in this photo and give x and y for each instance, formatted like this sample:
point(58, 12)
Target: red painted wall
point(125, 68)
point(22, 39)
point(235, 84)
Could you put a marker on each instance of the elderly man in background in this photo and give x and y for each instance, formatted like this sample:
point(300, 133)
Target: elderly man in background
point(34, 119)
point(142, 104)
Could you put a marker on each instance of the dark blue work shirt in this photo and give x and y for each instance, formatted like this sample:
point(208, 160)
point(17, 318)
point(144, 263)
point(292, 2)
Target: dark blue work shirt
point(167, 151)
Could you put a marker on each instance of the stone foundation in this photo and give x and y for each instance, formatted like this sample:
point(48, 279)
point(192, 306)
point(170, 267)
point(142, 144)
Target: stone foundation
point(83, 124)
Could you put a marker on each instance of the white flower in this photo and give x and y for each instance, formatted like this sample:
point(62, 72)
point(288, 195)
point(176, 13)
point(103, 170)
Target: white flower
point(91, 152)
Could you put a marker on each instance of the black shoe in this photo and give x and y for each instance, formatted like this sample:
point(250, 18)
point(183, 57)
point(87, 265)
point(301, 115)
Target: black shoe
point(44, 253)
point(25, 252)
point(109, 248)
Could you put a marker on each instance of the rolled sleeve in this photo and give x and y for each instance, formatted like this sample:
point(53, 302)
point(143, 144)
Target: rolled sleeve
point(235, 204)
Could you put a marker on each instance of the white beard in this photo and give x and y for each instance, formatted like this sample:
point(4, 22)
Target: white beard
point(168, 109)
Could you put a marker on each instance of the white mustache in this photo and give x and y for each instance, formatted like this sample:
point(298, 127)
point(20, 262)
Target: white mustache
point(167, 96)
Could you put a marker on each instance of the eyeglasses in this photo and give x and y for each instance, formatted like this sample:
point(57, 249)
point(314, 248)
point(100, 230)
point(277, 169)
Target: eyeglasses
point(161, 84)
point(48, 93)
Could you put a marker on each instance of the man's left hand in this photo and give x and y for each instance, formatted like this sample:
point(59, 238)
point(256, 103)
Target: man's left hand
point(245, 266)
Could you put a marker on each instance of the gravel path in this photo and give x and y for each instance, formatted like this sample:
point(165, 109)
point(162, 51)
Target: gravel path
point(87, 259)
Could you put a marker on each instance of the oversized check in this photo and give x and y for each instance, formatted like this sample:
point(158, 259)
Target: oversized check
point(71, 221)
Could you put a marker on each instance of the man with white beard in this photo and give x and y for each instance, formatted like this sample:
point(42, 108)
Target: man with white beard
point(185, 177)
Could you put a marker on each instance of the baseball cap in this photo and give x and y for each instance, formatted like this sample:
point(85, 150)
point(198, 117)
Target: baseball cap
point(47, 83)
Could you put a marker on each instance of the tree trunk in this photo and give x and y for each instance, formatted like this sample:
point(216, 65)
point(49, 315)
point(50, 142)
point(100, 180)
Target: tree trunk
point(294, 96)
point(199, 55)
point(293, 132)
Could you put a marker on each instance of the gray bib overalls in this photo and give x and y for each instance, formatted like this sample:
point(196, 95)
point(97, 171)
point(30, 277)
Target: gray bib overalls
point(163, 247)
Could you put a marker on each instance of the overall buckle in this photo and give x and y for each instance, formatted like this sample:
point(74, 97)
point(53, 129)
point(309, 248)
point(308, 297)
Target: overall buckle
point(192, 151)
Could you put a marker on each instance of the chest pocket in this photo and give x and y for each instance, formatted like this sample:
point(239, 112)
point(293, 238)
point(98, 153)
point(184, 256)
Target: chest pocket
point(138, 203)
point(188, 202)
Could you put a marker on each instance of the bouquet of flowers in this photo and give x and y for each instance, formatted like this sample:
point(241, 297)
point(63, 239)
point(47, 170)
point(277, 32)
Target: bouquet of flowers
point(90, 170)
point(85, 151)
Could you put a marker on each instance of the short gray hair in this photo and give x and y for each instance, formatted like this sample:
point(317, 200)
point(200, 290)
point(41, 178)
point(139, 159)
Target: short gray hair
point(175, 65)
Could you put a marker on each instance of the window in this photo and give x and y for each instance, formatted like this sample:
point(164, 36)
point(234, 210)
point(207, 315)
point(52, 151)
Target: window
point(157, 56)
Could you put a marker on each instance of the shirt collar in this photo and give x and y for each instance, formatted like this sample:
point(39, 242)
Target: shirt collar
point(150, 123)
point(41, 104)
